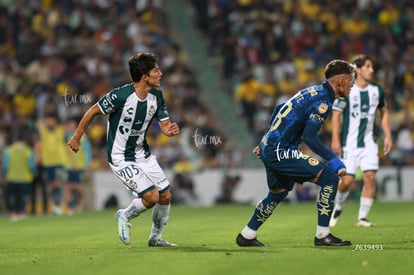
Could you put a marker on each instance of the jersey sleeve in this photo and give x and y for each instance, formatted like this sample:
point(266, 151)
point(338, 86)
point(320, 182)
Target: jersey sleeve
point(382, 102)
point(162, 111)
point(111, 102)
point(318, 113)
point(339, 104)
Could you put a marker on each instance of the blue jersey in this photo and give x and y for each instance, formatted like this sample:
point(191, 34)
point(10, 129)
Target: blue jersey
point(309, 106)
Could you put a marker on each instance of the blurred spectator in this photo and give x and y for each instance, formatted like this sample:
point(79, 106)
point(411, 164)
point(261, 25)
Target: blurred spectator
point(182, 186)
point(19, 169)
point(51, 152)
point(76, 166)
point(62, 56)
point(228, 186)
point(246, 93)
point(294, 38)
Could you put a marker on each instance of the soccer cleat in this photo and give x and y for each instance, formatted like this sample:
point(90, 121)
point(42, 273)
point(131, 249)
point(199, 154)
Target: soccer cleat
point(335, 218)
point(242, 241)
point(364, 223)
point(331, 240)
point(160, 242)
point(124, 227)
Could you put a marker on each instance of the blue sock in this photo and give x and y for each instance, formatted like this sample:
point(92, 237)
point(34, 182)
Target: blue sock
point(264, 209)
point(328, 181)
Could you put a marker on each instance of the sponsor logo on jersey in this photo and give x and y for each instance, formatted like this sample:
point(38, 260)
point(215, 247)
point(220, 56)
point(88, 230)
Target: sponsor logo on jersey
point(317, 117)
point(107, 103)
point(123, 130)
point(135, 133)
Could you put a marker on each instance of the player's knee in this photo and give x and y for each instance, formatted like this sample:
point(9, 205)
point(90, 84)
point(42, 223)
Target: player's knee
point(369, 178)
point(346, 182)
point(327, 177)
point(165, 198)
point(150, 198)
point(277, 190)
point(277, 197)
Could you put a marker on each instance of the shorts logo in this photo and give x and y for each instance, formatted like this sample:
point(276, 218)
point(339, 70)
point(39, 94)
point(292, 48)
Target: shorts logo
point(313, 161)
point(132, 184)
point(322, 108)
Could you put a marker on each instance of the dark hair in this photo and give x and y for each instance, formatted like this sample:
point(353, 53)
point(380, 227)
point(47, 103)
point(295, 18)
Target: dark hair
point(360, 60)
point(337, 67)
point(140, 64)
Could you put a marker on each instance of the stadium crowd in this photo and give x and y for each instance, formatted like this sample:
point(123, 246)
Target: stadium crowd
point(57, 58)
point(271, 48)
point(61, 56)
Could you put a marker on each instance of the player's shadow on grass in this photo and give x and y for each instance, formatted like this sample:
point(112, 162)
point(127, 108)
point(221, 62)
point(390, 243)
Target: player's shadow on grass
point(230, 250)
point(209, 249)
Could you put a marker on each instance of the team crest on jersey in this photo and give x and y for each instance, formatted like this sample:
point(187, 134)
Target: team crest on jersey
point(313, 161)
point(151, 111)
point(322, 108)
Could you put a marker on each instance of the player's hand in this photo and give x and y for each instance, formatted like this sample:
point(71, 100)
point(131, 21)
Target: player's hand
point(336, 147)
point(173, 129)
point(387, 146)
point(256, 151)
point(337, 166)
point(74, 144)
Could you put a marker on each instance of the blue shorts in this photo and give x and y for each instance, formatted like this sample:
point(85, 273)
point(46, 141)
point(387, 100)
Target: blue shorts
point(52, 173)
point(75, 176)
point(285, 168)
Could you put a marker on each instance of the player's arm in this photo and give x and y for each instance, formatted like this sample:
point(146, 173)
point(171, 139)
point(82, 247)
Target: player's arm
point(385, 124)
point(312, 140)
point(336, 125)
point(74, 141)
point(169, 128)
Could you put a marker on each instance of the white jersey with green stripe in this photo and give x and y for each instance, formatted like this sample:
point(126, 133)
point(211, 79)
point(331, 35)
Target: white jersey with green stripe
point(358, 115)
point(129, 120)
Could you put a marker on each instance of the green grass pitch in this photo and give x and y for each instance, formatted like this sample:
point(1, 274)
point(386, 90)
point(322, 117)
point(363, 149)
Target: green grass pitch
point(87, 243)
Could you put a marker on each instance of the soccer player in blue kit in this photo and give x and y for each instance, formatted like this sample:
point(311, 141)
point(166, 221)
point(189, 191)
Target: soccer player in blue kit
point(293, 122)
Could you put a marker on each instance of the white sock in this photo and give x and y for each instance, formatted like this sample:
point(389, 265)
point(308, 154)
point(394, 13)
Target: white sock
point(340, 200)
point(135, 208)
point(322, 231)
point(160, 215)
point(364, 207)
point(248, 233)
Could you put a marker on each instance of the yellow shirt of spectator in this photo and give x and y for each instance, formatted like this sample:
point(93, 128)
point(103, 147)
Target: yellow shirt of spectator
point(25, 104)
point(52, 150)
point(19, 163)
point(248, 90)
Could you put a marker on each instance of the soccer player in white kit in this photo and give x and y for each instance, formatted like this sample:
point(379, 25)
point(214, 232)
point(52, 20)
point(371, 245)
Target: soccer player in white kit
point(131, 108)
point(353, 137)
